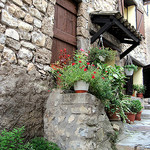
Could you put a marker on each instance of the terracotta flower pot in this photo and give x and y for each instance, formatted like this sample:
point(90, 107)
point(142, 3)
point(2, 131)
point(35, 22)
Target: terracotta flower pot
point(140, 95)
point(113, 116)
point(81, 86)
point(130, 116)
point(138, 116)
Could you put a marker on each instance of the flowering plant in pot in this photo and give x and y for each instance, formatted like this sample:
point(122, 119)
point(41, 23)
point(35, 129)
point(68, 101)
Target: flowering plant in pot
point(100, 54)
point(64, 59)
point(140, 90)
point(129, 69)
point(78, 70)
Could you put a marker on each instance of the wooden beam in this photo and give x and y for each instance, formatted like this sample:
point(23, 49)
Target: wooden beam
point(126, 30)
point(128, 50)
point(101, 31)
point(127, 41)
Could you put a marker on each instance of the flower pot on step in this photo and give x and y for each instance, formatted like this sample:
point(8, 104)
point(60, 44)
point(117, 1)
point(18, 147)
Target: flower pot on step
point(130, 116)
point(138, 116)
point(81, 86)
point(113, 116)
point(140, 95)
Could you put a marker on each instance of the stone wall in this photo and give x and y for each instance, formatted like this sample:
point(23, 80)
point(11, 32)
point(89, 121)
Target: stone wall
point(77, 122)
point(26, 31)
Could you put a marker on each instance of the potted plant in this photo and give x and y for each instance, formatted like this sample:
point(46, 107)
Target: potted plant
point(64, 58)
point(129, 69)
point(140, 89)
point(79, 73)
point(100, 54)
point(136, 108)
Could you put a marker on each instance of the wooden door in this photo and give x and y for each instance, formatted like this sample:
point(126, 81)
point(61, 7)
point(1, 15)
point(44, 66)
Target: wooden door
point(65, 25)
point(140, 21)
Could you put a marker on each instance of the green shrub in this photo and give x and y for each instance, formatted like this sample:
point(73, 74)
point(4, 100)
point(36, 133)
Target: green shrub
point(12, 140)
point(39, 143)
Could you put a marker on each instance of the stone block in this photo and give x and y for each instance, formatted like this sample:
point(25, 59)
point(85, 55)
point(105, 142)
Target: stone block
point(48, 43)
point(8, 20)
point(13, 43)
point(37, 23)
point(2, 5)
point(28, 1)
point(40, 5)
point(28, 45)
point(9, 55)
point(31, 67)
point(81, 31)
point(25, 35)
point(28, 18)
point(18, 2)
point(71, 119)
point(2, 38)
point(4, 1)
point(16, 11)
point(50, 9)
point(25, 54)
point(47, 26)
point(2, 28)
point(25, 26)
point(43, 56)
point(1, 47)
point(116, 127)
point(12, 33)
point(38, 38)
point(34, 12)
point(53, 1)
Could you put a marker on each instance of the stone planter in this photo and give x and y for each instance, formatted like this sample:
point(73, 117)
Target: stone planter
point(138, 116)
point(131, 117)
point(81, 86)
point(129, 73)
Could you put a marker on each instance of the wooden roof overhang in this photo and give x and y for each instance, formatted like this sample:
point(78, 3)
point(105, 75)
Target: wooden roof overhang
point(115, 24)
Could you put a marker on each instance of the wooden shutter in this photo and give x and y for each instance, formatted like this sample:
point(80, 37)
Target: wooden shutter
point(121, 6)
point(140, 21)
point(65, 24)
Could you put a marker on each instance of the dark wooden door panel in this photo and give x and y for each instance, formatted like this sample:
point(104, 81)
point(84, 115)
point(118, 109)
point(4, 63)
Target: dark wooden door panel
point(60, 45)
point(65, 25)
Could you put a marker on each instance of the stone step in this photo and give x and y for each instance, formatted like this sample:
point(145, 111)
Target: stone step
point(147, 106)
point(125, 147)
point(145, 114)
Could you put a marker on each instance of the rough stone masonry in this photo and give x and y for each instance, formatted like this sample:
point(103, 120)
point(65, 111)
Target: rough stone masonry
point(77, 122)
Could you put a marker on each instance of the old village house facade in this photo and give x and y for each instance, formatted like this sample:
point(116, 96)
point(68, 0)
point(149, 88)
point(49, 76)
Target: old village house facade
point(32, 33)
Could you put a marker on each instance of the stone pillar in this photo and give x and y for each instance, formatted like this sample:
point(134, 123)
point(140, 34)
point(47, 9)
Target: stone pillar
point(76, 122)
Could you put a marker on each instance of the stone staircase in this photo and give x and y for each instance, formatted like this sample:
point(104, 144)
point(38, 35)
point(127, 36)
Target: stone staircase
point(136, 136)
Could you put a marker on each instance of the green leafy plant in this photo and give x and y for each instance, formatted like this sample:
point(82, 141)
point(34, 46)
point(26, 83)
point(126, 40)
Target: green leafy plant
point(39, 143)
point(131, 67)
point(136, 106)
point(96, 52)
point(12, 140)
point(139, 88)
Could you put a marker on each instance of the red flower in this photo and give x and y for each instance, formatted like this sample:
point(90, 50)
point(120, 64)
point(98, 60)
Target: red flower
point(93, 65)
point(88, 63)
point(80, 61)
point(103, 78)
point(61, 50)
point(59, 74)
point(106, 71)
point(57, 71)
point(64, 49)
point(48, 90)
point(85, 69)
point(81, 50)
point(93, 77)
point(73, 64)
point(68, 55)
point(98, 68)
point(58, 78)
point(94, 72)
